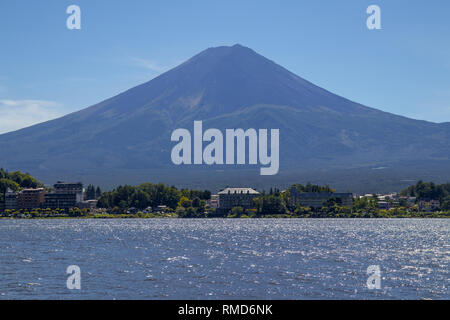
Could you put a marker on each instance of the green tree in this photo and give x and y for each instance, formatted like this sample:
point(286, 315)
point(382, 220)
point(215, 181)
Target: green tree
point(90, 192)
point(185, 202)
point(98, 193)
point(196, 202)
point(140, 199)
point(237, 211)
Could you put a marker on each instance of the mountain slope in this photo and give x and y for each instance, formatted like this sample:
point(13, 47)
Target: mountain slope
point(226, 87)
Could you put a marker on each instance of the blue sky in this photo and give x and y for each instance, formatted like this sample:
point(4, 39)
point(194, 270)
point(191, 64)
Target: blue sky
point(47, 70)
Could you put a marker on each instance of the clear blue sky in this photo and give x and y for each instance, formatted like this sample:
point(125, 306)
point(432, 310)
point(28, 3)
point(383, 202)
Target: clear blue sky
point(47, 70)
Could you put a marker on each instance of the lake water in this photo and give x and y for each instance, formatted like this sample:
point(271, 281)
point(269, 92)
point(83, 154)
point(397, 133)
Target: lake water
point(225, 258)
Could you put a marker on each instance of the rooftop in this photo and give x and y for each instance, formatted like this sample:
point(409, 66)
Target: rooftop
point(29, 190)
point(323, 195)
point(238, 190)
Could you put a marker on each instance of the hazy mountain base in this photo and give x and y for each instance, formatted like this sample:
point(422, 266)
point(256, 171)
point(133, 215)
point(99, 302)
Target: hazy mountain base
point(380, 179)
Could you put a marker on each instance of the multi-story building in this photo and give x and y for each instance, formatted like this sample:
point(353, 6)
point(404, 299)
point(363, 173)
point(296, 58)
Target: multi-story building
point(428, 206)
point(10, 200)
point(318, 200)
point(60, 200)
point(70, 188)
point(30, 198)
point(237, 197)
point(65, 196)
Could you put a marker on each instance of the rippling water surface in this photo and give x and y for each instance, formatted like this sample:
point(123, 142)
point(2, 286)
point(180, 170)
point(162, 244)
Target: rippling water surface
point(225, 259)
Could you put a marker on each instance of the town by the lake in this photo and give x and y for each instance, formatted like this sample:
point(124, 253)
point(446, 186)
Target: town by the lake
point(22, 196)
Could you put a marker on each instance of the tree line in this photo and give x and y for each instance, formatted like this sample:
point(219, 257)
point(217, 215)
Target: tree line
point(92, 192)
point(427, 191)
point(152, 195)
point(16, 181)
point(192, 203)
point(430, 191)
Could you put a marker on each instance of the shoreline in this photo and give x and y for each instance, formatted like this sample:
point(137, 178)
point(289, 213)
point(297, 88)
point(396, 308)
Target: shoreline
point(120, 217)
